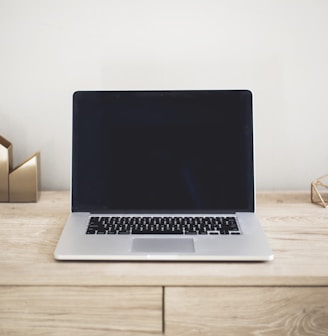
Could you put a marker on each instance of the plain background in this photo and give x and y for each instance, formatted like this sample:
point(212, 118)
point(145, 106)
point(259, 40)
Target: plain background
point(276, 48)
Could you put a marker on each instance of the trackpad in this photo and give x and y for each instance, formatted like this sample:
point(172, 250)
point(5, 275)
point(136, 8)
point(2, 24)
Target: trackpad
point(163, 245)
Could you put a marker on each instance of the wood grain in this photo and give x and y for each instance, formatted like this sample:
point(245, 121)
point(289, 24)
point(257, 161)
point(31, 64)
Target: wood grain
point(246, 311)
point(80, 311)
point(40, 296)
point(296, 229)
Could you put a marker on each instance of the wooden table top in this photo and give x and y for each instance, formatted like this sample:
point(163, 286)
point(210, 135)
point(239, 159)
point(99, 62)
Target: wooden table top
point(297, 231)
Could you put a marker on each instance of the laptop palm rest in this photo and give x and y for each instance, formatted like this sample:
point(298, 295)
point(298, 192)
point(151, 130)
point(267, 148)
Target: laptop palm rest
point(163, 245)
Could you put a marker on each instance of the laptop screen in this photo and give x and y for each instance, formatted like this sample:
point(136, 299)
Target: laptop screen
point(162, 151)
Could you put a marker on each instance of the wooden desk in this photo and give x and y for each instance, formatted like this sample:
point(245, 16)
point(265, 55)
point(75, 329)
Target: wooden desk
point(40, 296)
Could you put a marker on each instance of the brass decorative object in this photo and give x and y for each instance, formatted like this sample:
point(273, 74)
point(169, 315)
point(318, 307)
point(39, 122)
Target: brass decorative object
point(21, 184)
point(319, 191)
point(6, 163)
point(24, 181)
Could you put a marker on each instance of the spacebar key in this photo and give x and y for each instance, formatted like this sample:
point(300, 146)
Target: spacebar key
point(156, 232)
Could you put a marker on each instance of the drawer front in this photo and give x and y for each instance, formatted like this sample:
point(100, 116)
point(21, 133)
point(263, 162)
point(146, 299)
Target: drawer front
point(80, 311)
point(246, 311)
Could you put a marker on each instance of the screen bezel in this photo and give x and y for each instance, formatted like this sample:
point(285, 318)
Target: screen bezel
point(78, 206)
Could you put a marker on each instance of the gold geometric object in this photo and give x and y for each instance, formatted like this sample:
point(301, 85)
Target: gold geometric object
point(24, 181)
point(21, 184)
point(319, 191)
point(6, 162)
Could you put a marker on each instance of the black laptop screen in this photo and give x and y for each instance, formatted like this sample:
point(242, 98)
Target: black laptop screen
point(162, 151)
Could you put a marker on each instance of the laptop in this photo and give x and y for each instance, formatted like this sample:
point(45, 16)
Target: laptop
point(163, 175)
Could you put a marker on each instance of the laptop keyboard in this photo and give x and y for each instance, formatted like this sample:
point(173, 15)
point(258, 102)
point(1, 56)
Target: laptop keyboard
point(163, 225)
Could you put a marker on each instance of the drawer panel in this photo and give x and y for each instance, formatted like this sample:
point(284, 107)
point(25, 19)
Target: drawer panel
point(80, 310)
point(246, 311)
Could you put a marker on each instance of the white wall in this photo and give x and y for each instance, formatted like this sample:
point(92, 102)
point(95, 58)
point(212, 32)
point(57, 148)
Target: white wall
point(276, 48)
